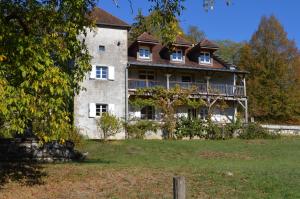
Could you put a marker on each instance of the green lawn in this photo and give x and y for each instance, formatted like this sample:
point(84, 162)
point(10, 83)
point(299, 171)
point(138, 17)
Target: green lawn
point(144, 169)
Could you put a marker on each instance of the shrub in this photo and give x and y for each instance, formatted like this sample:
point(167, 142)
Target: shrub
point(232, 128)
point(109, 125)
point(75, 136)
point(191, 128)
point(138, 129)
point(256, 131)
point(213, 131)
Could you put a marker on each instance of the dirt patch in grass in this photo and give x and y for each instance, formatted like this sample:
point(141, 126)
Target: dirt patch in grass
point(69, 181)
point(223, 155)
point(135, 150)
point(89, 181)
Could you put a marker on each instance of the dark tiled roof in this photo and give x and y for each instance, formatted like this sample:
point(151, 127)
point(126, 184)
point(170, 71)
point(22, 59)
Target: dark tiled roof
point(158, 59)
point(160, 55)
point(205, 43)
point(182, 41)
point(104, 18)
point(146, 37)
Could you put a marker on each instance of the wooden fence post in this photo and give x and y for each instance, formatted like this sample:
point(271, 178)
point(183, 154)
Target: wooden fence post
point(178, 187)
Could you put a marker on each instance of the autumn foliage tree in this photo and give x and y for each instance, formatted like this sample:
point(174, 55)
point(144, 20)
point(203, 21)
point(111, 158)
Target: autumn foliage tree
point(273, 83)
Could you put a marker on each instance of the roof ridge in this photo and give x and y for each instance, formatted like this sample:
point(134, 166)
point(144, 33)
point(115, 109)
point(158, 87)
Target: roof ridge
point(209, 43)
point(103, 17)
point(145, 36)
point(223, 60)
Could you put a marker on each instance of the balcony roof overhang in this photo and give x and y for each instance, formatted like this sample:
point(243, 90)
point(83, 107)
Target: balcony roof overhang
point(135, 63)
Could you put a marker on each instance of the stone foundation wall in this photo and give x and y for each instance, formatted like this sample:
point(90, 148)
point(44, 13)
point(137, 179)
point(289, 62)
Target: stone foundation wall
point(283, 129)
point(29, 149)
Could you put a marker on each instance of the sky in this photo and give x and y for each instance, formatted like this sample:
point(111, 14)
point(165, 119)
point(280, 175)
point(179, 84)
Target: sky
point(236, 22)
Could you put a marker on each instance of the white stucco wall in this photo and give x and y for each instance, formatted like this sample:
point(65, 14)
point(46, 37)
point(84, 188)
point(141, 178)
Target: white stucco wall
point(103, 91)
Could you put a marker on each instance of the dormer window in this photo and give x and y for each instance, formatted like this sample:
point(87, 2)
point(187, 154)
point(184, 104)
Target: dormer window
point(176, 55)
point(204, 58)
point(144, 53)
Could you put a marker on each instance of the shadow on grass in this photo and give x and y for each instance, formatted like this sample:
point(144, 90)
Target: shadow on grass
point(95, 161)
point(26, 173)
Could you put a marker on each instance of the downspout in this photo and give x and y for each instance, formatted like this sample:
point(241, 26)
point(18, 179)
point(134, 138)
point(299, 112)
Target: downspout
point(126, 97)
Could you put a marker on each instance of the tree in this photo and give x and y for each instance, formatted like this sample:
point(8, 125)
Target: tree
point(149, 24)
point(167, 101)
point(273, 83)
point(139, 26)
point(109, 124)
point(42, 64)
point(229, 50)
point(194, 35)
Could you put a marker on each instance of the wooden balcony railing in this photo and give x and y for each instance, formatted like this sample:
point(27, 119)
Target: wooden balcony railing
point(202, 88)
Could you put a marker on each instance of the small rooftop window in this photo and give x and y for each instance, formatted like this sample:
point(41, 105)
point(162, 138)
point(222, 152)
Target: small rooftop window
point(176, 55)
point(204, 58)
point(144, 53)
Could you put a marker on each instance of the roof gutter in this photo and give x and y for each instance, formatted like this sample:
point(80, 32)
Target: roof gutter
point(186, 67)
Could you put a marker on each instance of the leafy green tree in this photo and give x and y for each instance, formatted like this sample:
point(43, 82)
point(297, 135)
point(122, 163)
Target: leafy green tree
point(167, 101)
point(229, 50)
point(42, 64)
point(194, 35)
point(151, 25)
point(273, 83)
point(140, 25)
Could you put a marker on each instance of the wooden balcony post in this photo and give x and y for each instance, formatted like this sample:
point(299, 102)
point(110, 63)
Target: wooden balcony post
point(246, 111)
point(234, 84)
point(244, 82)
point(207, 84)
point(168, 80)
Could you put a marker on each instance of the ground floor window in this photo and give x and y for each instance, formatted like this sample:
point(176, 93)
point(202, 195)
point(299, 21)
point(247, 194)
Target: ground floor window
point(148, 113)
point(203, 113)
point(192, 113)
point(101, 108)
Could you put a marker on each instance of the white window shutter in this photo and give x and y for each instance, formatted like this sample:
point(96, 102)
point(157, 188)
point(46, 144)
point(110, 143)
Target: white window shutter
point(111, 73)
point(92, 110)
point(137, 114)
point(93, 72)
point(111, 108)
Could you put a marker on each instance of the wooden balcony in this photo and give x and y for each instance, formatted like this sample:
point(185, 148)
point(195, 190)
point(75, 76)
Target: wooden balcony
point(202, 88)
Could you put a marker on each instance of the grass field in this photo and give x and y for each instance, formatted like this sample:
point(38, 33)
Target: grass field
point(144, 169)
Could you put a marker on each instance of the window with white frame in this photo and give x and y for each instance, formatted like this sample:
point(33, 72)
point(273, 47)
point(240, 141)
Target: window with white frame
point(144, 53)
point(101, 72)
point(101, 108)
point(176, 55)
point(204, 58)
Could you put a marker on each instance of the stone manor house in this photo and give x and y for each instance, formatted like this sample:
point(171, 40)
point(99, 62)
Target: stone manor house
point(119, 68)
